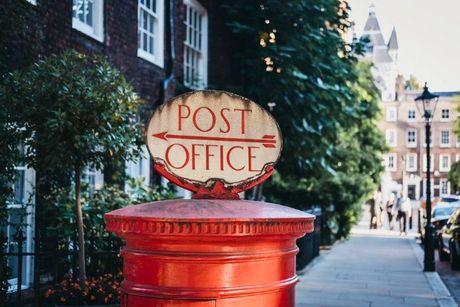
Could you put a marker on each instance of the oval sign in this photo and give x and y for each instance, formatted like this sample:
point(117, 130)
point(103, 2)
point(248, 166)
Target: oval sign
point(214, 143)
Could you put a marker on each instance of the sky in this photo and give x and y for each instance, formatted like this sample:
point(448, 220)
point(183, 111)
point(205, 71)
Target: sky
point(428, 36)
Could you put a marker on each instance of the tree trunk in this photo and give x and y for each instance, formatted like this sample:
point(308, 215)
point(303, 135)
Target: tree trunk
point(80, 231)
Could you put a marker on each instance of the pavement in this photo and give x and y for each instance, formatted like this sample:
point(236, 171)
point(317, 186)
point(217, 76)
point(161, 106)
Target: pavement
point(371, 268)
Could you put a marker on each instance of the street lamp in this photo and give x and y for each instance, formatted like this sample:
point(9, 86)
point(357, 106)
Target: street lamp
point(429, 103)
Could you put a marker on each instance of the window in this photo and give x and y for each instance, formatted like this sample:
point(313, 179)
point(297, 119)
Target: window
point(445, 142)
point(411, 162)
point(445, 114)
point(140, 168)
point(195, 45)
point(411, 138)
point(20, 217)
point(150, 34)
point(19, 185)
point(391, 114)
point(445, 186)
point(391, 137)
point(444, 163)
point(411, 115)
point(93, 178)
point(88, 18)
point(431, 162)
point(391, 162)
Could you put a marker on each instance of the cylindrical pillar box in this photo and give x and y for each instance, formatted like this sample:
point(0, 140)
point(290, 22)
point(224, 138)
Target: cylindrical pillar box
point(209, 252)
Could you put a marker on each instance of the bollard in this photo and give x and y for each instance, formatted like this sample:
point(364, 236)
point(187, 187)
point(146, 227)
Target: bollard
point(204, 252)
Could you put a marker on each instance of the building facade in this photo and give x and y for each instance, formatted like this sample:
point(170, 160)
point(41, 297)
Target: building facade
point(403, 125)
point(159, 45)
point(404, 130)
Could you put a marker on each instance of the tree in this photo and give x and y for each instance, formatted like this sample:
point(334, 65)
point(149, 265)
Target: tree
point(75, 111)
point(454, 177)
point(15, 52)
point(412, 84)
point(454, 173)
point(326, 110)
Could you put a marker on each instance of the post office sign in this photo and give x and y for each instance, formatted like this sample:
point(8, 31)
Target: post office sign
point(214, 143)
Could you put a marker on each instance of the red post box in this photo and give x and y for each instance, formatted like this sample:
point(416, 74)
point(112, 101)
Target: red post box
point(209, 252)
point(214, 250)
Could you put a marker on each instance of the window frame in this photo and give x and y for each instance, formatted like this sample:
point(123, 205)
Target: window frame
point(97, 30)
point(157, 57)
point(414, 142)
point(443, 182)
point(139, 168)
point(441, 160)
point(391, 111)
point(445, 119)
point(409, 118)
point(97, 178)
point(414, 168)
point(394, 157)
point(204, 45)
point(441, 143)
point(27, 205)
point(388, 132)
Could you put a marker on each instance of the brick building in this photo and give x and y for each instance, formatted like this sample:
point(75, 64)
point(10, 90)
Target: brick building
point(159, 45)
point(404, 131)
point(403, 126)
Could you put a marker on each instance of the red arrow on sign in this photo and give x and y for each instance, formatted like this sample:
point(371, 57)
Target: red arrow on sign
point(267, 140)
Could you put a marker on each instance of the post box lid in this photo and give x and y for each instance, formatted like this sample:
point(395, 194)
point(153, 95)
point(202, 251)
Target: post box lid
point(210, 216)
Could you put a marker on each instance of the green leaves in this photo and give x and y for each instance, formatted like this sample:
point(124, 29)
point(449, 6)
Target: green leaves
point(78, 106)
point(326, 102)
point(60, 221)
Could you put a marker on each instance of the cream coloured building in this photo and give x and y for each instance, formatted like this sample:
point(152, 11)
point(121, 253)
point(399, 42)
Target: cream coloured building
point(403, 126)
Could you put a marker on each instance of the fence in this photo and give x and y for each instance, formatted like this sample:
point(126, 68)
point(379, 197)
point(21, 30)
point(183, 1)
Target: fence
point(104, 260)
point(310, 243)
point(99, 262)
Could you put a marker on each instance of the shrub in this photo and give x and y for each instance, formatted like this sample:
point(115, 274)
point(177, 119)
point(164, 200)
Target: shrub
point(102, 290)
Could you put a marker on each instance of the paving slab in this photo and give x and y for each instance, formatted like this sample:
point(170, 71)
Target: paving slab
point(371, 268)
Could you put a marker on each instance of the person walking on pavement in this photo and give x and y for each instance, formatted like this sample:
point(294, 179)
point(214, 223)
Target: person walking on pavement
point(389, 209)
point(403, 213)
point(372, 210)
point(381, 210)
point(397, 207)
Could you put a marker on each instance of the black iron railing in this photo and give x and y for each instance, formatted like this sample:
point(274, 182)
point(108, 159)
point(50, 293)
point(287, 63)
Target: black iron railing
point(309, 244)
point(12, 252)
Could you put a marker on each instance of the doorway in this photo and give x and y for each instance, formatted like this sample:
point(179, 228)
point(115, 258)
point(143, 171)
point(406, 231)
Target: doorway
point(411, 191)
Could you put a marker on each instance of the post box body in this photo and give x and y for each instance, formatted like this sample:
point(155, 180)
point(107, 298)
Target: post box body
point(205, 252)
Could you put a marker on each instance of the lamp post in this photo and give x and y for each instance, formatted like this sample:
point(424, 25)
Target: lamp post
point(428, 102)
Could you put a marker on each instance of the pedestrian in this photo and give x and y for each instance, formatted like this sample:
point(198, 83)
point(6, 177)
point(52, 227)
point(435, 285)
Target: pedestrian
point(379, 206)
point(403, 213)
point(382, 207)
point(389, 209)
point(372, 211)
